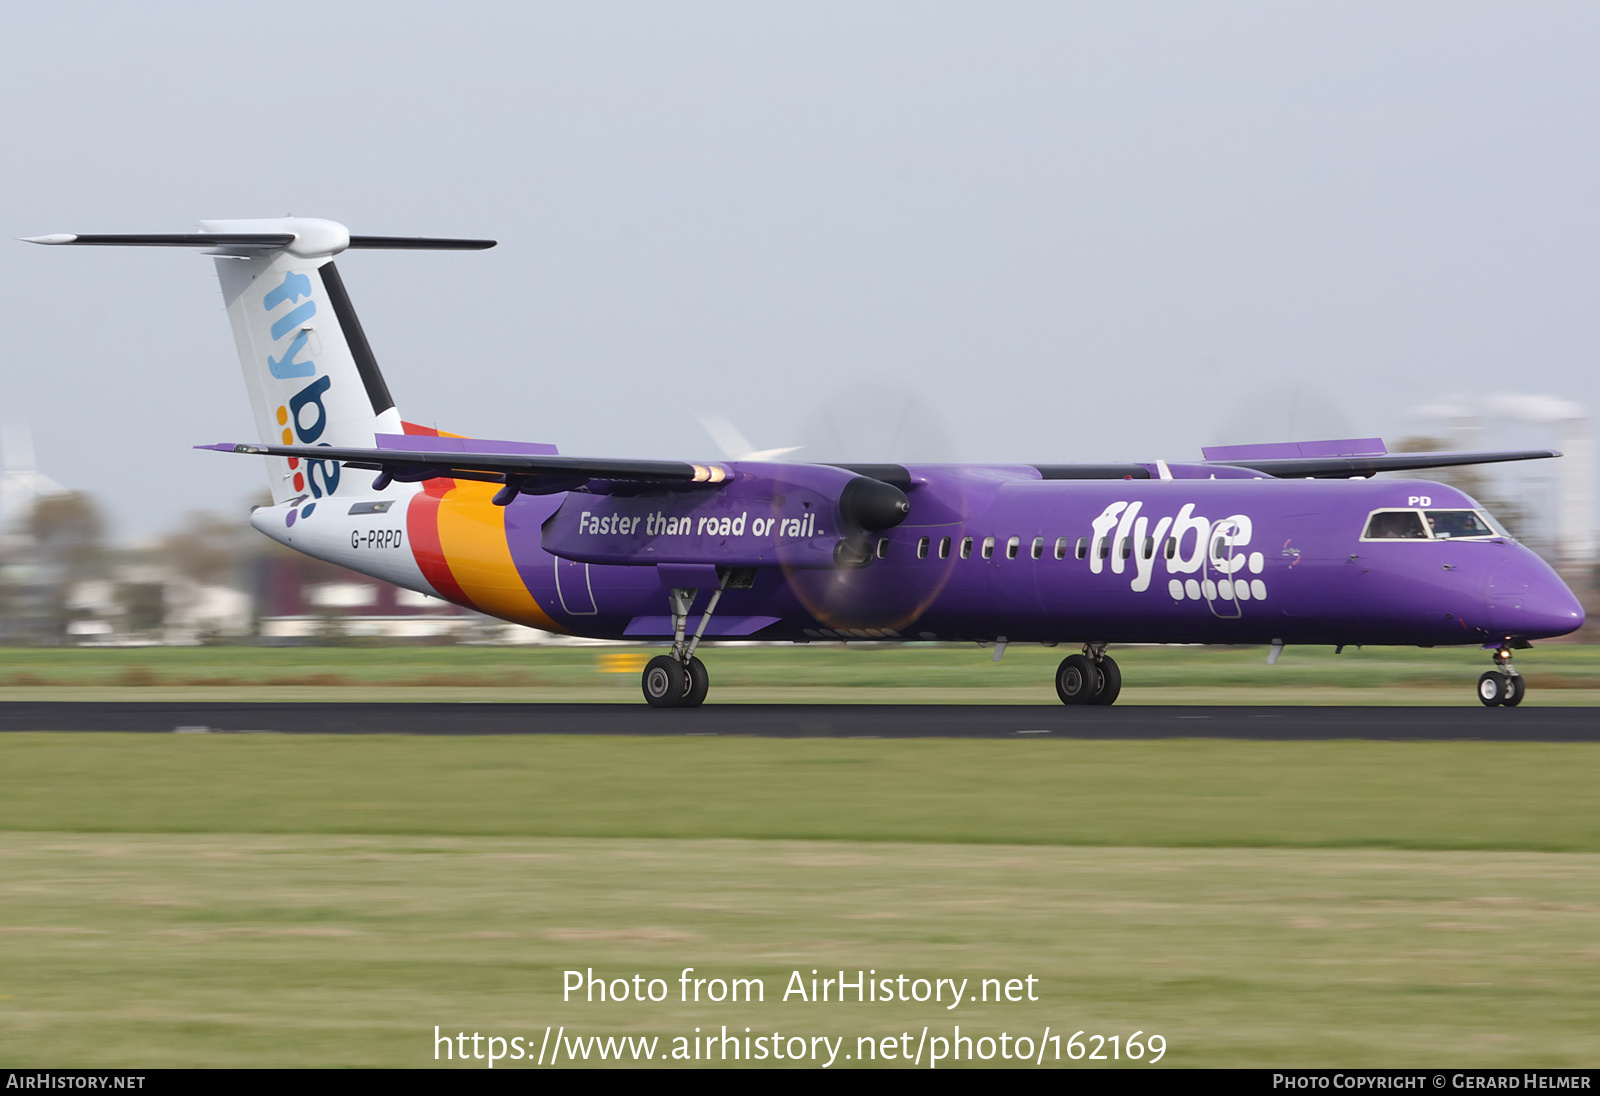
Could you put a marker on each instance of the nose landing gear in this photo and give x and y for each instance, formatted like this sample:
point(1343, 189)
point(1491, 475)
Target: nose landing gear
point(1090, 678)
point(1502, 686)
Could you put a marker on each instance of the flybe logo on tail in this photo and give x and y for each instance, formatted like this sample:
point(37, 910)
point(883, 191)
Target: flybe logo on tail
point(303, 418)
point(288, 365)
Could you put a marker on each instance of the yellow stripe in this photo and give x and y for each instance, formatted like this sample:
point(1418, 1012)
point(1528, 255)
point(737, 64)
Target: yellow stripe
point(472, 534)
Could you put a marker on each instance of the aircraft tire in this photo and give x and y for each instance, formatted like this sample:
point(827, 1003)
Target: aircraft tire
point(1077, 680)
point(699, 683)
point(1516, 689)
point(1492, 690)
point(665, 682)
point(1110, 681)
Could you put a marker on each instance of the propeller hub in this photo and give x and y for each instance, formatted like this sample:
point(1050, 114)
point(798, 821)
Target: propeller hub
point(871, 504)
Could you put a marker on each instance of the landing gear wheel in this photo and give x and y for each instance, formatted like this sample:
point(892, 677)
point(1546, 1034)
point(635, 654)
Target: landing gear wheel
point(1077, 680)
point(699, 683)
point(1110, 681)
point(1493, 688)
point(666, 682)
point(1516, 689)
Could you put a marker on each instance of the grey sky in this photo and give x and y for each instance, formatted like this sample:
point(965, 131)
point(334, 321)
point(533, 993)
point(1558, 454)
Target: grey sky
point(1077, 232)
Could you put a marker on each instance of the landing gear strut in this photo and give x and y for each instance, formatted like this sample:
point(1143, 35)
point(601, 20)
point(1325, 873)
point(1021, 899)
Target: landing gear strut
point(1090, 678)
point(679, 679)
point(1503, 686)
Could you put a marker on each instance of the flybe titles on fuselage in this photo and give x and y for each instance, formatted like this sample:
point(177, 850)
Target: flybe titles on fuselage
point(692, 529)
point(1205, 558)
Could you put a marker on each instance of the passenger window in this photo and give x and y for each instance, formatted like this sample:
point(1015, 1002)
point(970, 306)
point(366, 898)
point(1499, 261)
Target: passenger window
point(1149, 551)
point(1171, 547)
point(1125, 548)
point(1082, 550)
point(883, 547)
point(922, 548)
point(1446, 524)
point(988, 547)
point(1012, 547)
point(1038, 547)
point(1395, 525)
point(1102, 547)
point(966, 547)
point(1061, 548)
point(944, 547)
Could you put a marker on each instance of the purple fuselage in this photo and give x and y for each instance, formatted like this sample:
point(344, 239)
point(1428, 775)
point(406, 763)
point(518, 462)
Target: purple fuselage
point(997, 552)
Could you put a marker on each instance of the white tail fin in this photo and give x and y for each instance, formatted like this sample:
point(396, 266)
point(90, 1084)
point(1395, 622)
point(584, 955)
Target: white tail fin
point(312, 377)
point(310, 373)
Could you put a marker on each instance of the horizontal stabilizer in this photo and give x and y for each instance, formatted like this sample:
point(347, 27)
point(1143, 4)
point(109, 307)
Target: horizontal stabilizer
point(180, 239)
point(1358, 466)
point(418, 243)
point(254, 240)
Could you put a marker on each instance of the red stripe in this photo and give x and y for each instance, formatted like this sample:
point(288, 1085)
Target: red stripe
point(422, 526)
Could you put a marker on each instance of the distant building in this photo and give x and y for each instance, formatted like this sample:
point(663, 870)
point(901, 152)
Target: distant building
point(301, 598)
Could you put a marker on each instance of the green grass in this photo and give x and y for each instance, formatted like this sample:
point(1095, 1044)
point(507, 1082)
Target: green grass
point(1559, 673)
point(1464, 795)
point(238, 900)
point(228, 950)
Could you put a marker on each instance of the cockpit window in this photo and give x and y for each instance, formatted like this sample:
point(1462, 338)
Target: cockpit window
point(1395, 525)
point(1431, 525)
point(1499, 530)
point(1448, 524)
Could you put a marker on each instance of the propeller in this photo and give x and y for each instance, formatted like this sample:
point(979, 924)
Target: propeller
point(21, 483)
point(850, 597)
point(734, 445)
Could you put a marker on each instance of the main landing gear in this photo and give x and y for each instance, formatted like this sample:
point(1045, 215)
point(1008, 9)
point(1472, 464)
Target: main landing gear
point(1089, 678)
point(679, 679)
point(669, 683)
point(1502, 686)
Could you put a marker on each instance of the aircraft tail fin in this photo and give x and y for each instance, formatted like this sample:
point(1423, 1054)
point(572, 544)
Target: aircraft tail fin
point(310, 372)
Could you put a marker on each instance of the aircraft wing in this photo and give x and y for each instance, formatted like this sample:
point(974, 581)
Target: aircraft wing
point(1344, 467)
point(522, 473)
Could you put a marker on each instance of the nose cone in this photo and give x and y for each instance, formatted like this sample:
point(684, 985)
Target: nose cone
point(1526, 598)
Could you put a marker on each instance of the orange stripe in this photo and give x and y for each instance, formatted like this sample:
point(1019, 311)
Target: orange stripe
point(459, 539)
point(472, 537)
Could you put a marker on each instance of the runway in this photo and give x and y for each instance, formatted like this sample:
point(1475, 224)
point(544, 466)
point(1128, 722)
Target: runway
point(1531, 724)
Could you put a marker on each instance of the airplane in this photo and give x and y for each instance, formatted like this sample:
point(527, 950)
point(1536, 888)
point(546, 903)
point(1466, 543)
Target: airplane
point(1281, 544)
